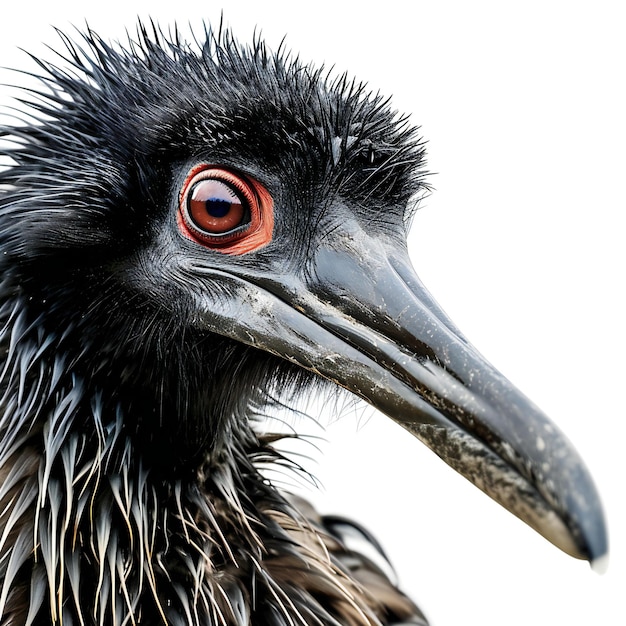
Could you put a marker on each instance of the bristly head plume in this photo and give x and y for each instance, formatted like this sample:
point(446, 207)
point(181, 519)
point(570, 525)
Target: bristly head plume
point(129, 490)
point(91, 180)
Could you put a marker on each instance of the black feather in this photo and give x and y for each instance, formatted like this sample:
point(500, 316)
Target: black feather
point(129, 465)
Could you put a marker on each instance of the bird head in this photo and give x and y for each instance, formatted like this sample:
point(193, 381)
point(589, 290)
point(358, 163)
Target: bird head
point(201, 230)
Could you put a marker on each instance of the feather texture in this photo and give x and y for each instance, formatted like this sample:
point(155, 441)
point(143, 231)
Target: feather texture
point(130, 490)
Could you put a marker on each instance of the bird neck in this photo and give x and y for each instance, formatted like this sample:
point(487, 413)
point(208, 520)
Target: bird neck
point(83, 510)
point(85, 523)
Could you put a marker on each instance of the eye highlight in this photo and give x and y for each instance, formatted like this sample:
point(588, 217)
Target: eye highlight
point(225, 210)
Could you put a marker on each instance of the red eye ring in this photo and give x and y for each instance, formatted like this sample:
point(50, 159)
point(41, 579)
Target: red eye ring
point(241, 216)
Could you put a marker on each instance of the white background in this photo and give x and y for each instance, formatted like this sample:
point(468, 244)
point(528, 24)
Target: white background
point(521, 242)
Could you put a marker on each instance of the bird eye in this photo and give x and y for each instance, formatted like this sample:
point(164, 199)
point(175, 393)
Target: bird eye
point(215, 208)
point(225, 210)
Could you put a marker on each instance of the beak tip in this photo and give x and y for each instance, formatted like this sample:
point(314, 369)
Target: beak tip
point(587, 519)
point(600, 565)
point(597, 549)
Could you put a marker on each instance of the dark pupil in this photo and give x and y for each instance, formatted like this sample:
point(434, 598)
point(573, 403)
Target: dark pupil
point(217, 207)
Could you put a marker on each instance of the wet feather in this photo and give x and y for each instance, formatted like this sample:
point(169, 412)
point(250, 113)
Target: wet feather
point(131, 488)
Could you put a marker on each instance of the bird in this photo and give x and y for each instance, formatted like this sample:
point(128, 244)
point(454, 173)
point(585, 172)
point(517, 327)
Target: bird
point(191, 235)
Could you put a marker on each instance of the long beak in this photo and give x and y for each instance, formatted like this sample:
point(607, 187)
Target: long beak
point(360, 317)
